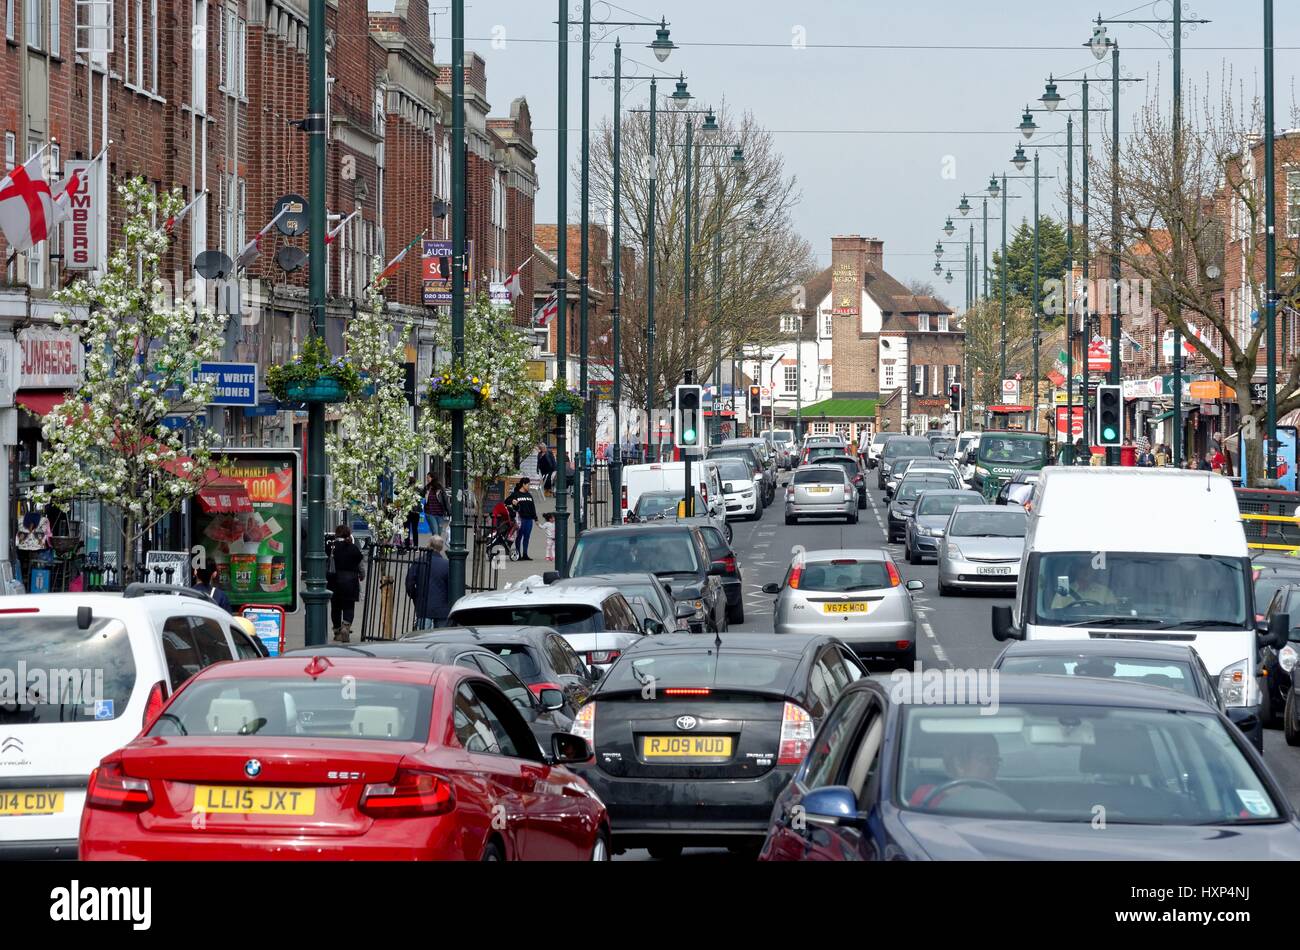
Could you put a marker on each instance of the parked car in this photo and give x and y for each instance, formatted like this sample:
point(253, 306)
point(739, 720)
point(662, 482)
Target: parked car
point(546, 710)
point(595, 619)
point(982, 548)
point(856, 595)
point(766, 453)
point(924, 531)
point(700, 762)
point(539, 656)
point(900, 508)
point(334, 758)
point(900, 447)
point(820, 491)
point(919, 466)
point(675, 553)
point(131, 654)
point(893, 776)
point(785, 443)
point(743, 497)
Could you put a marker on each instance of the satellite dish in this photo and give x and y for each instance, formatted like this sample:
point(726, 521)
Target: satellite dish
point(214, 265)
point(293, 222)
point(290, 258)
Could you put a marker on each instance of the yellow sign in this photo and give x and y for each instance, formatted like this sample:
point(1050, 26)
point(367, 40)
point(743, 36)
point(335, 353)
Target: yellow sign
point(1209, 389)
point(537, 371)
point(686, 747)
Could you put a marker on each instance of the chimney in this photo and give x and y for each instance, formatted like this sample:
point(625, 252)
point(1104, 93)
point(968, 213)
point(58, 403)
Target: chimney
point(875, 252)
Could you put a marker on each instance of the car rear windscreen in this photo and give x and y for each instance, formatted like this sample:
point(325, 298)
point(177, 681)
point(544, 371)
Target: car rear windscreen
point(913, 487)
point(565, 618)
point(651, 552)
point(53, 671)
point(901, 448)
point(818, 476)
point(705, 668)
point(945, 504)
point(1170, 674)
point(300, 708)
point(843, 574)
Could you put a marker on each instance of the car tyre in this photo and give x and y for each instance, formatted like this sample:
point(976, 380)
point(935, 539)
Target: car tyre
point(907, 659)
point(853, 518)
point(1289, 724)
point(736, 614)
point(790, 519)
point(746, 850)
point(600, 850)
point(946, 590)
point(913, 557)
point(665, 852)
point(492, 852)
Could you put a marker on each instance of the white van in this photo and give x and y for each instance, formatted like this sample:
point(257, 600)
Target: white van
point(86, 672)
point(670, 477)
point(1144, 554)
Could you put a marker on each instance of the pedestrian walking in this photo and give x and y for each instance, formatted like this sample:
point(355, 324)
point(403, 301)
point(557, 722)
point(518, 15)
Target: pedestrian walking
point(343, 578)
point(427, 584)
point(548, 529)
point(521, 499)
point(437, 505)
point(413, 518)
point(546, 469)
point(204, 584)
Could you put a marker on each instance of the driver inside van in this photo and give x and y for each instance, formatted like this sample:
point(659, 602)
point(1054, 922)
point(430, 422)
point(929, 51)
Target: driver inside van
point(1082, 584)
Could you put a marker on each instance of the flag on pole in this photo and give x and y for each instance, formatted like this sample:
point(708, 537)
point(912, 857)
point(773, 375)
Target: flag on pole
point(179, 216)
point(329, 238)
point(547, 312)
point(513, 283)
point(254, 247)
point(27, 209)
point(396, 262)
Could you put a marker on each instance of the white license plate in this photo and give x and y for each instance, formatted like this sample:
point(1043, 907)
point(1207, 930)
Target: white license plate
point(997, 571)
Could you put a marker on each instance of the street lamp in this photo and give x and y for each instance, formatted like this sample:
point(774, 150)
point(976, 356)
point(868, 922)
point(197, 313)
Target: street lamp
point(938, 268)
point(738, 157)
point(964, 207)
point(1020, 160)
point(710, 127)
point(994, 189)
point(1051, 98)
point(680, 97)
point(938, 249)
point(1099, 44)
point(1027, 125)
point(948, 277)
point(948, 226)
point(662, 46)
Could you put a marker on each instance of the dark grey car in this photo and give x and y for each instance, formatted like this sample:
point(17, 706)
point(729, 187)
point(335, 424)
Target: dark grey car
point(923, 532)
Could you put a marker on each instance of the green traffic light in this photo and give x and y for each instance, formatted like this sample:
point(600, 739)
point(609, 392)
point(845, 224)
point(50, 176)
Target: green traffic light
point(688, 435)
point(1109, 434)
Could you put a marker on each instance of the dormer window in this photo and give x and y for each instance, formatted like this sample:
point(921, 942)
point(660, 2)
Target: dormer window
point(923, 322)
point(942, 319)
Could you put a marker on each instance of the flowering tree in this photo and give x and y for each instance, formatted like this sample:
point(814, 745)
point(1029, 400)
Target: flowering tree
point(109, 440)
point(375, 452)
point(497, 350)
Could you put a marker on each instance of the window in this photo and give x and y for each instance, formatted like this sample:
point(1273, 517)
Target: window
point(473, 731)
point(826, 376)
point(834, 745)
point(949, 377)
point(935, 376)
point(891, 375)
point(35, 23)
point(844, 430)
point(509, 741)
point(153, 45)
point(199, 58)
point(791, 378)
point(821, 428)
point(923, 322)
point(54, 27)
point(619, 616)
point(505, 679)
point(244, 646)
point(179, 651)
point(11, 152)
point(918, 380)
point(9, 20)
point(826, 326)
point(1293, 204)
point(789, 324)
point(942, 321)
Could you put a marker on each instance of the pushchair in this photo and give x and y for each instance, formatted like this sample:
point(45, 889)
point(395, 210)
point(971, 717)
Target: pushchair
point(500, 534)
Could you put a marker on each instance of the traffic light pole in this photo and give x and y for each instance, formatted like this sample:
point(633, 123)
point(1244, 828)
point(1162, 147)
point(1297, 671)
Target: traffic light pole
point(688, 491)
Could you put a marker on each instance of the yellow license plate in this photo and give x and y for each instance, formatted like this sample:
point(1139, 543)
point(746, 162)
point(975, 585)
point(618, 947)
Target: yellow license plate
point(819, 491)
point(848, 607)
point(686, 747)
point(243, 800)
point(26, 801)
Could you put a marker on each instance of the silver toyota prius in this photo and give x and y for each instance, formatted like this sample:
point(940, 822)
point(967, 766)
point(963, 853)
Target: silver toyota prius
point(856, 595)
point(982, 547)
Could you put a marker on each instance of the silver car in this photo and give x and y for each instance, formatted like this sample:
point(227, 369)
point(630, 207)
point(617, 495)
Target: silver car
point(821, 491)
point(856, 595)
point(982, 548)
point(909, 466)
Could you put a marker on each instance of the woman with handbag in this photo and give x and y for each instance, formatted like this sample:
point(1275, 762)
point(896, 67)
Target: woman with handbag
point(344, 582)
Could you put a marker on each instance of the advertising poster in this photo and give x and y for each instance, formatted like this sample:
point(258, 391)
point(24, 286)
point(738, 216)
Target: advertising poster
point(1286, 457)
point(255, 553)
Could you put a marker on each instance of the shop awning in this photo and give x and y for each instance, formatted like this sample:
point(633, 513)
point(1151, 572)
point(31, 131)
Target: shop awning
point(225, 496)
point(39, 402)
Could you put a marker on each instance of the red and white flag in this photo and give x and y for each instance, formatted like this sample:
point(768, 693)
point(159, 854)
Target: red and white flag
point(254, 247)
point(27, 209)
point(179, 216)
point(547, 312)
point(514, 284)
point(333, 235)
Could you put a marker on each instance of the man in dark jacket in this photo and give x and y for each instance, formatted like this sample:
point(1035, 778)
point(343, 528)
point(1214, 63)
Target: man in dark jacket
point(426, 584)
point(203, 582)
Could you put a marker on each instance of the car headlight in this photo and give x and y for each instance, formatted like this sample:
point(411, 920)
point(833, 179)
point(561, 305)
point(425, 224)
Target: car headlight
point(954, 551)
point(1286, 657)
point(747, 493)
point(930, 532)
point(981, 471)
point(1237, 686)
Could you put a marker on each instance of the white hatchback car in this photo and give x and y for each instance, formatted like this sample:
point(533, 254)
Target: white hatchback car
point(80, 676)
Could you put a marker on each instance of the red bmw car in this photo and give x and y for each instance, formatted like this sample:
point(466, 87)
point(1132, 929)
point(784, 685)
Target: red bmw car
point(340, 758)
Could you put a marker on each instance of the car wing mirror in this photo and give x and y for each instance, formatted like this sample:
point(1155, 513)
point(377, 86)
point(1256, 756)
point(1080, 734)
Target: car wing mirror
point(1004, 625)
point(568, 749)
point(685, 611)
point(551, 699)
point(771, 588)
point(1279, 630)
point(832, 805)
point(916, 585)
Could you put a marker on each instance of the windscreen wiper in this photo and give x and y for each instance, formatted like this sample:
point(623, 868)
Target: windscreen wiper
point(1200, 624)
point(1115, 622)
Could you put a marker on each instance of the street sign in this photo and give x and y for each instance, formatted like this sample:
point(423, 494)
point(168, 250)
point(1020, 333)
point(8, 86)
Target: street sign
point(437, 259)
point(535, 372)
point(1010, 392)
point(500, 296)
point(233, 384)
point(1075, 426)
point(1098, 357)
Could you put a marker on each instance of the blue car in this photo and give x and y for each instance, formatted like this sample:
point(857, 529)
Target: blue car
point(1028, 767)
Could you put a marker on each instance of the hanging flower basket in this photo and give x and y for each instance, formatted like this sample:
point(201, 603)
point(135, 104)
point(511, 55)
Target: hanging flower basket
point(560, 400)
point(315, 375)
point(567, 407)
point(457, 388)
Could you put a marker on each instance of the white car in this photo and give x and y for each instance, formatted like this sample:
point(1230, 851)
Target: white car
point(97, 668)
point(743, 497)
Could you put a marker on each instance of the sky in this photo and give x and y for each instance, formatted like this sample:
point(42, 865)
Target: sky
point(885, 112)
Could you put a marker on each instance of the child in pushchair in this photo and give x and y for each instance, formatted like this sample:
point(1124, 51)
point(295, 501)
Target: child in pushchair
point(502, 532)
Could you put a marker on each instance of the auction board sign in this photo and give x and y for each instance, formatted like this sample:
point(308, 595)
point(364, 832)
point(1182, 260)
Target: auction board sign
point(255, 553)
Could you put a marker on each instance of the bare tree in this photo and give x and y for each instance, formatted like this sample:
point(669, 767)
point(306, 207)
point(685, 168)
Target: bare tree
point(1211, 190)
point(737, 298)
point(983, 326)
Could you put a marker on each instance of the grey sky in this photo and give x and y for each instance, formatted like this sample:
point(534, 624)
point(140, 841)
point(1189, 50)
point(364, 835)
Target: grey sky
point(920, 105)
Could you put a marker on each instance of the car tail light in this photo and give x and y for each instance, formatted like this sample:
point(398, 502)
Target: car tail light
point(154, 704)
point(111, 787)
point(704, 492)
point(902, 644)
point(411, 793)
point(603, 656)
point(622, 501)
point(894, 579)
point(584, 724)
point(538, 687)
point(848, 490)
point(796, 735)
point(796, 573)
point(728, 563)
point(687, 691)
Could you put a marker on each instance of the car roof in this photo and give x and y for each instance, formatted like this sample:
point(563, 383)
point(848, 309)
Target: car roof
point(528, 592)
point(1045, 689)
point(106, 604)
point(858, 554)
point(639, 528)
point(1132, 649)
point(370, 668)
point(941, 492)
point(487, 633)
point(780, 644)
point(994, 508)
point(404, 649)
point(613, 580)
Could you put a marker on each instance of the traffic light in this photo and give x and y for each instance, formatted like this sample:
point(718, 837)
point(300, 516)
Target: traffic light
point(755, 400)
point(687, 419)
point(954, 397)
point(1110, 416)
